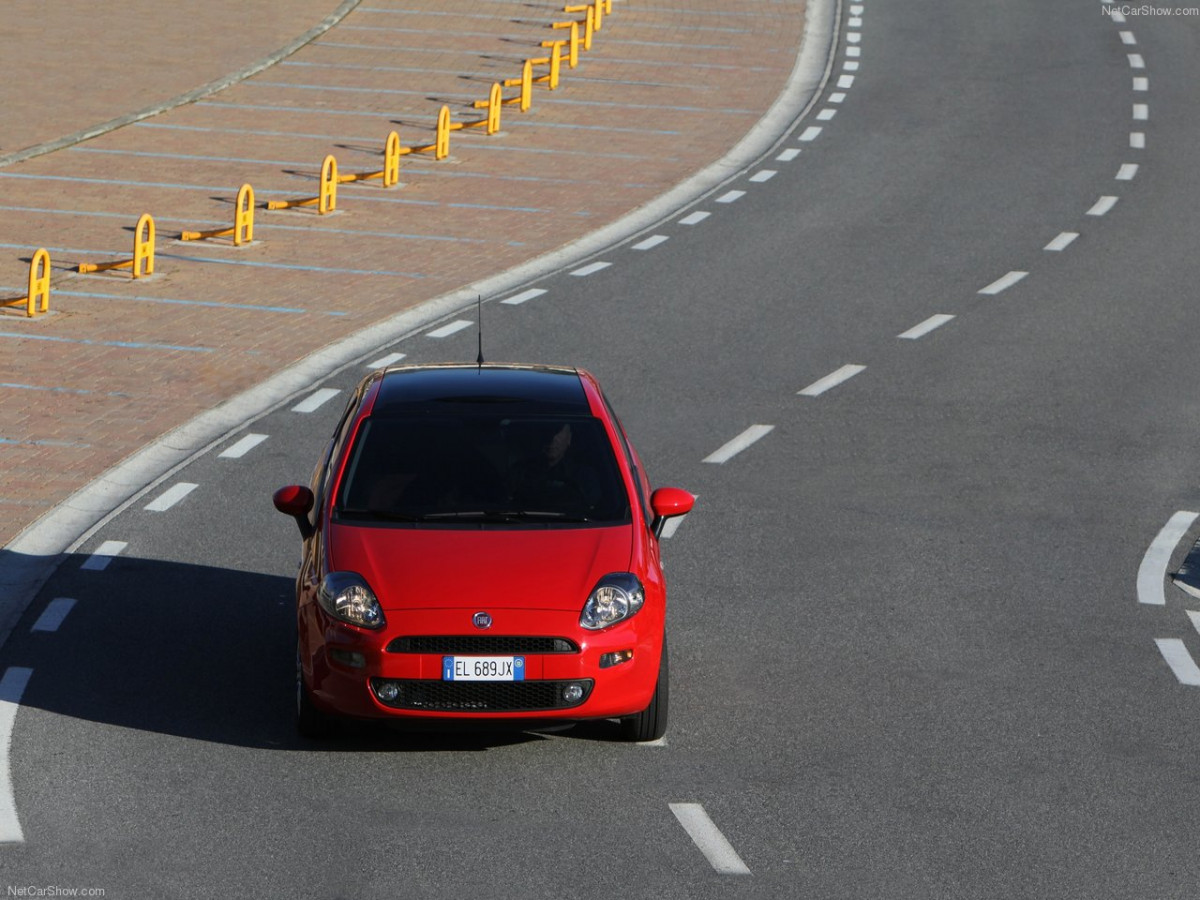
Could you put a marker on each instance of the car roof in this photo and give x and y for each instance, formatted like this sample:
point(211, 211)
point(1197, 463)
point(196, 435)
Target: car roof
point(528, 389)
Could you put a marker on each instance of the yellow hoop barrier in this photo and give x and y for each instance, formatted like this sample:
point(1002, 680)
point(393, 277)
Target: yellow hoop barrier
point(143, 252)
point(526, 82)
point(600, 7)
point(572, 44)
point(38, 298)
point(390, 173)
point(442, 149)
point(555, 62)
point(243, 222)
point(588, 24)
point(492, 104)
point(326, 201)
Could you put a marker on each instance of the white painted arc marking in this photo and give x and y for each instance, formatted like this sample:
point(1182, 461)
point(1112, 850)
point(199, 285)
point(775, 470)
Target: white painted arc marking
point(242, 447)
point(832, 380)
point(1102, 206)
point(590, 268)
point(1175, 652)
point(1004, 283)
point(1153, 570)
point(12, 689)
point(1062, 242)
point(1127, 172)
point(922, 329)
point(384, 361)
point(653, 241)
point(54, 614)
point(518, 299)
point(708, 839)
point(730, 196)
point(694, 218)
point(171, 496)
point(762, 176)
point(730, 449)
point(788, 155)
point(810, 133)
point(315, 400)
point(104, 554)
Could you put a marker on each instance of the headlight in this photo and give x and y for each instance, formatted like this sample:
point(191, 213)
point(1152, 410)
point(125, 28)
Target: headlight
point(616, 597)
point(345, 596)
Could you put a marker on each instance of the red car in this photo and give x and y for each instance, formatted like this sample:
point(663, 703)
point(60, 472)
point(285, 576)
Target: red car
point(481, 542)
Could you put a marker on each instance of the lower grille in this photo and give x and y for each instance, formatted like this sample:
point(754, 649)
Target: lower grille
point(482, 696)
point(481, 645)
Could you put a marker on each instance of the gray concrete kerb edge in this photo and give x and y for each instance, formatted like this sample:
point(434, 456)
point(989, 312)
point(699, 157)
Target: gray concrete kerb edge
point(31, 558)
point(191, 96)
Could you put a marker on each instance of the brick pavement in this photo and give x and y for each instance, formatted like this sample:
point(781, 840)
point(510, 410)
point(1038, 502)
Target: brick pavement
point(666, 89)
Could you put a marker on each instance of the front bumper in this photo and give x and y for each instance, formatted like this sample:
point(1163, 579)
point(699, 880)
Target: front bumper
point(569, 672)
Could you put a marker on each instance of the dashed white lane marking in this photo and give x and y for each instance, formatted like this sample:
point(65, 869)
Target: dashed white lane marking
point(730, 196)
point(12, 688)
point(856, 9)
point(1102, 206)
point(854, 51)
point(708, 839)
point(518, 299)
point(788, 155)
point(384, 361)
point(1118, 17)
point(1141, 83)
point(845, 81)
point(1137, 140)
point(1153, 571)
point(826, 114)
point(762, 176)
point(450, 328)
point(854, 22)
point(1062, 242)
point(1127, 172)
point(853, 37)
point(104, 554)
point(315, 400)
point(810, 133)
point(1136, 61)
point(242, 447)
point(832, 380)
point(171, 496)
point(1141, 112)
point(1127, 38)
point(54, 614)
point(837, 97)
point(850, 65)
point(919, 331)
point(590, 268)
point(1004, 283)
point(1175, 652)
point(694, 218)
point(653, 241)
point(731, 449)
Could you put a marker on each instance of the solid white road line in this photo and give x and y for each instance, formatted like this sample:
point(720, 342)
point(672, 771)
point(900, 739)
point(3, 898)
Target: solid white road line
point(788, 155)
point(518, 299)
point(1175, 652)
point(1127, 171)
point(590, 268)
point(919, 331)
point(1002, 284)
point(1153, 570)
point(1062, 242)
point(104, 554)
point(731, 449)
point(763, 175)
point(315, 400)
point(384, 361)
point(730, 196)
point(694, 218)
point(54, 614)
point(832, 380)
point(171, 496)
point(708, 838)
point(242, 447)
point(12, 688)
point(1102, 206)
point(811, 132)
point(653, 241)
point(450, 328)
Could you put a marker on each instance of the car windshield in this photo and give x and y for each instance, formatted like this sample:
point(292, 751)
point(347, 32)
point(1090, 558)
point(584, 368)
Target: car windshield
point(439, 470)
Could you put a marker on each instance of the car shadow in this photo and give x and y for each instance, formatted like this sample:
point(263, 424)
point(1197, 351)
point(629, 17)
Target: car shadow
point(197, 652)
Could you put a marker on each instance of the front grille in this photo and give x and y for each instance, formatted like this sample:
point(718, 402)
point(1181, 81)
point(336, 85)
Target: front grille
point(484, 696)
point(481, 645)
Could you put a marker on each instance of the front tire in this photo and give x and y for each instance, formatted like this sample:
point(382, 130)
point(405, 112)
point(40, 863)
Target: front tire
point(651, 723)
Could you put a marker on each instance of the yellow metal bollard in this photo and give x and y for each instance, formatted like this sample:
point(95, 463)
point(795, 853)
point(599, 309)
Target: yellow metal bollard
point(391, 160)
point(494, 104)
point(243, 220)
point(143, 247)
point(327, 201)
point(39, 284)
point(442, 147)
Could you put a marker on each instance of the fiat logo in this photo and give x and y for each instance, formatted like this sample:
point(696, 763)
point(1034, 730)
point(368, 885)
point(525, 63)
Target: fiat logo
point(481, 620)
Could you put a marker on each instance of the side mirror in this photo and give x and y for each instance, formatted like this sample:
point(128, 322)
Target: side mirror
point(296, 501)
point(667, 503)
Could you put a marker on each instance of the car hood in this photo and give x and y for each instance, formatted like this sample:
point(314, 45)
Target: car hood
point(553, 568)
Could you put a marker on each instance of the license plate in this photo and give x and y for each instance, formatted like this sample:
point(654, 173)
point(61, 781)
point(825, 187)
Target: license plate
point(483, 668)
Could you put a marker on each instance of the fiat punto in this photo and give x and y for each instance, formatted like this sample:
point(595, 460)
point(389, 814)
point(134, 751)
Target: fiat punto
point(481, 542)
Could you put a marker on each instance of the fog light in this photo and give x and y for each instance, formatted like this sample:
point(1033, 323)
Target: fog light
point(608, 660)
point(387, 691)
point(572, 693)
point(348, 658)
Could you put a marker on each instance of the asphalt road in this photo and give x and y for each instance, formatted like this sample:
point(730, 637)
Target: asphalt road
point(908, 653)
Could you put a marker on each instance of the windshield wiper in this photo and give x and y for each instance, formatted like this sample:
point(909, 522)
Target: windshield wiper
point(507, 515)
point(385, 515)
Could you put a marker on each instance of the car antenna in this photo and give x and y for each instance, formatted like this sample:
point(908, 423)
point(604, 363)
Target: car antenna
point(479, 311)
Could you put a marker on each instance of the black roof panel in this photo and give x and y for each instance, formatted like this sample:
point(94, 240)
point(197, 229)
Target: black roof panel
point(529, 389)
